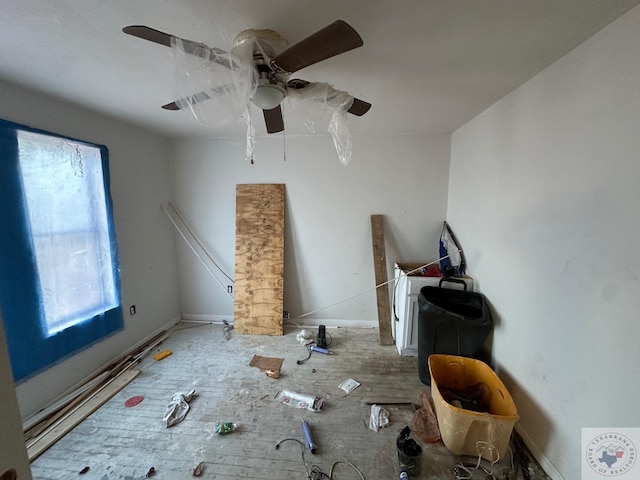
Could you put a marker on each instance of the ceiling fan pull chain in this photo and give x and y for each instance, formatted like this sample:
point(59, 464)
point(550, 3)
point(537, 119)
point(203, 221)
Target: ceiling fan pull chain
point(284, 141)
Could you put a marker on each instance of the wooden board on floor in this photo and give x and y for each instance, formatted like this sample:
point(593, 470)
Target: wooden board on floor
point(380, 267)
point(259, 269)
point(43, 442)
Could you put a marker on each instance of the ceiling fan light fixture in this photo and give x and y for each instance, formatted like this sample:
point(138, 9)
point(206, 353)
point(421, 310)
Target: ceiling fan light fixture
point(268, 95)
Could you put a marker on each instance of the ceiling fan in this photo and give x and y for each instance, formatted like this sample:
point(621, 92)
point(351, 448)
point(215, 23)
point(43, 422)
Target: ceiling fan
point(270, 65)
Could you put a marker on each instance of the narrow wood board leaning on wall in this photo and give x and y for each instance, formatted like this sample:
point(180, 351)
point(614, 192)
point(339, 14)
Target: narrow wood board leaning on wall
point(259, 270)
point(380, 268)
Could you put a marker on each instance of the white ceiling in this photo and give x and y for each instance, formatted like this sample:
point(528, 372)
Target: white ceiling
point(427, 66)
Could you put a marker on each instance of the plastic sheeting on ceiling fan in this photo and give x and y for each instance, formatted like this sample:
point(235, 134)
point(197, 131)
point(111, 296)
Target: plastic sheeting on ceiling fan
point(216, 85)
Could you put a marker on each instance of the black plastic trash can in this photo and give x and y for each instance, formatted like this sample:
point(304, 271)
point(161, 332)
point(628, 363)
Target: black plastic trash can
point(453, 322)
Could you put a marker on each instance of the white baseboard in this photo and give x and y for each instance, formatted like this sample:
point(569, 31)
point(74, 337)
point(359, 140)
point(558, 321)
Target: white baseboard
point(548, 467)
point(329, 322)
point(288, 323)
point(200, 318)
point(167, 326)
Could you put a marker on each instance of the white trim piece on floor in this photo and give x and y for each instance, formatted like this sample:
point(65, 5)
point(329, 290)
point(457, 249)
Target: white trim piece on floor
point(546, 464)
point(41, 443)
point(74, 389)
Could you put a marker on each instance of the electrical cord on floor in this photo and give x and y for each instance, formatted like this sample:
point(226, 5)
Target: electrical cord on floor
point(316, 472)
point(300, 362)
point(301, 451)
point(467, 471)
point(348, 463)
point(329, 342)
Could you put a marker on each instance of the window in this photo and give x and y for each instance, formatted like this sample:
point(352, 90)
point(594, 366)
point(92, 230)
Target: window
point(59, 273)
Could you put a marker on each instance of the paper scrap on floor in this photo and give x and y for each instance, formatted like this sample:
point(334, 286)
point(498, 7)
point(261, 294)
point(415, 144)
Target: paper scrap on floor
point(379, 418)
point(349, 385)
point(266, 363)
point(305, 337)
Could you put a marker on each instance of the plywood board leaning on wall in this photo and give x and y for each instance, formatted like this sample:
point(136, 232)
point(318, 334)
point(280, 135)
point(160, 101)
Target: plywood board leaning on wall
point(259, 269)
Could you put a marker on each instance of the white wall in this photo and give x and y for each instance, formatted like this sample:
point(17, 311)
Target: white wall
point(328, 252)
point(139, 167)
point(544, 195)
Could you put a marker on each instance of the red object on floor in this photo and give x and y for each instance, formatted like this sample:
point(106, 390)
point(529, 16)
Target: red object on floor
point(133, 401)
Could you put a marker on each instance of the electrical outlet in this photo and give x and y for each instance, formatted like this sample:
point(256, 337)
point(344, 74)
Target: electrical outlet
point(132, 310)
point(230, 288)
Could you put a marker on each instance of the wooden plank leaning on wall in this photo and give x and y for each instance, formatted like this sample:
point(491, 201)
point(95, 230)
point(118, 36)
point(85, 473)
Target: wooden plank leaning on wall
point(380, 267)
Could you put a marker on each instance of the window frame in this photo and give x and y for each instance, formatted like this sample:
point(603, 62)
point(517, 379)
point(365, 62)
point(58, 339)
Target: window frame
point(31, 348)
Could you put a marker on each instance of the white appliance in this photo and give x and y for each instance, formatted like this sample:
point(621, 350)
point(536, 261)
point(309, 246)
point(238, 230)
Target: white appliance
point(404, 317)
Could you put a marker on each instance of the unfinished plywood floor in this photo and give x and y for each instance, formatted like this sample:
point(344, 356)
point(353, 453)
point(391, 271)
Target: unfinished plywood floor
point(124, 443)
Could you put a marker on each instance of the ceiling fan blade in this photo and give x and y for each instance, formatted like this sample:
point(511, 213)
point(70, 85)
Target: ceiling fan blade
point(273, 120)
point(147, 33)
point(358, 108)
point(332, 40)
point(193, 99)
point(171, 106)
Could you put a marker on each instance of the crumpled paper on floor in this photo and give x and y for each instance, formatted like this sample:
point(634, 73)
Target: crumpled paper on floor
point(305, 337)
point(178, 408)
point(379, 418)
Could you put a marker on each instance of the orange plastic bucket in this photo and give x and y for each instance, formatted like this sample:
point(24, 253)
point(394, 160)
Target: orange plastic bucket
point(466, 432)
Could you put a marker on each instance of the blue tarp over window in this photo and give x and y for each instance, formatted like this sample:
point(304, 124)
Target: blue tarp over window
point(27, 275)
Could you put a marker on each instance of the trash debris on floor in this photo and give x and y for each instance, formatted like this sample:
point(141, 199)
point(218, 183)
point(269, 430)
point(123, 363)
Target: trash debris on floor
point(224, 428)
point(349, 385)
point(227, 327)
point(269, 365)
point(379, 418)
point(416, 451)
point(198, 469)
point(300, 400)
point(133, 401)
point(424, 424)
point(305, 337)
point(178, 407)
point(161, 355)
